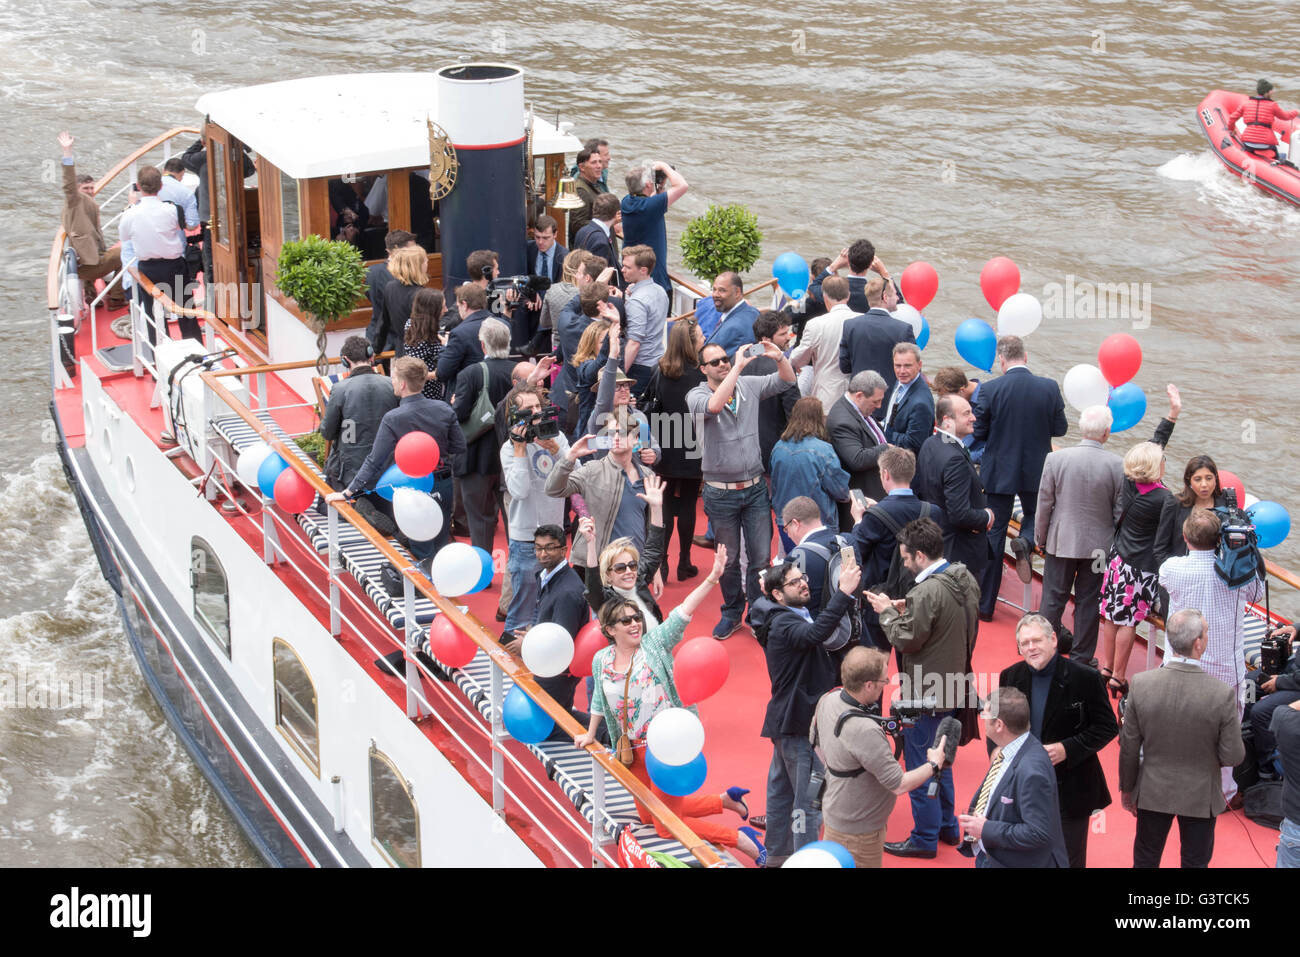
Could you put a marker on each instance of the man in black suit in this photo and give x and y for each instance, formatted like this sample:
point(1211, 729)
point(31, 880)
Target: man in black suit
point(946, 477)
point(909, 410)
point(1016, 416)
point(857, 437)
point(1069, 714)
point(875, 537)
point(543, 257)
point(1014, 820)
point(462, 349)
point(597, 237)
point(868, 340)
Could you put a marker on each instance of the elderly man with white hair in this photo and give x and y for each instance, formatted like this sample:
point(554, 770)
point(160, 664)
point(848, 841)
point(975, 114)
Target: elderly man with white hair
point(1078, 508)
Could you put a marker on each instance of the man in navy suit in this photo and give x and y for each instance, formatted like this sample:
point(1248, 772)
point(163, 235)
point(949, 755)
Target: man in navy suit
point(875, 537)
point(909, 409)
point(868, 340)
point(597, 237)
point(1014, 820)
point(802, 521)
point(945, 476)
point(463, 349)
point(1016, 416)
point(736, 317)
point(544, 257)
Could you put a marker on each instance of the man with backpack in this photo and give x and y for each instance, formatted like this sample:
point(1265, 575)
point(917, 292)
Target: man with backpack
point(875, 537)
point(801, 672)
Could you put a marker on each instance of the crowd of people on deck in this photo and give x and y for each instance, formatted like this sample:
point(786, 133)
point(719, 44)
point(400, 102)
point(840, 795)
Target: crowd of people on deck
point(891, 490)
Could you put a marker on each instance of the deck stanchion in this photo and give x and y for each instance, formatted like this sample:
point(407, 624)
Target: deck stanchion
point(336, 623)
point(598, 809)
point(498, 735)
point(413, 707)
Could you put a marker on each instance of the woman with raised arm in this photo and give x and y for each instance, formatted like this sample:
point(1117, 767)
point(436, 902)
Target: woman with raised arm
point(634, 682)
point(619, 572)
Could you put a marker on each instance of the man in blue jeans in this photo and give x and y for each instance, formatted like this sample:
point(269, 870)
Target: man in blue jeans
point(735, 494)
point(1286, 728)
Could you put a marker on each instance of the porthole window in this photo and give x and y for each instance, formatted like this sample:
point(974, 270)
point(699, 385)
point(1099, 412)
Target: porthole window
point(88, 426)
point(295, 704)
point(208, 585)
point(106, 443)
point(128, 465)
point(394, 820)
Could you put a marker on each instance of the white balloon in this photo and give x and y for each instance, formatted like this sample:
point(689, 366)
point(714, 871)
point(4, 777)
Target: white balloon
point(416, 514)
point(1084, 385)
point(675, 736)
point(812, 857)
point(1249, 500)
point(1019, 315)
point(911, 315)
point(547, 649)
point(250, 460)
point(456, 569)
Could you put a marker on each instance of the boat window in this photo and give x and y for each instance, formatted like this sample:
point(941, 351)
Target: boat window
point(211, 598)
point(289, 215)
point(351, 219)
point(394, 820)
point(295, 704)
point(221, 219)
point(424, 211)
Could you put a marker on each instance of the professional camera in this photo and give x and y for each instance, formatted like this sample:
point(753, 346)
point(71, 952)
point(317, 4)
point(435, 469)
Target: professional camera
point(542, 424)
point(1274, 653)
point(661, 177)
point(523, 288)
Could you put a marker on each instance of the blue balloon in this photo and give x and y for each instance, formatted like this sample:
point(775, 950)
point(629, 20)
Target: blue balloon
point(268, 472)
point(923, 339)
point(1128, 403)
point(394, 478)
point(837, 851)
point(1272, 523)
point(791, 272)
point(977, 343)
point(678, 780)
point(485, 576)
point(524, 718)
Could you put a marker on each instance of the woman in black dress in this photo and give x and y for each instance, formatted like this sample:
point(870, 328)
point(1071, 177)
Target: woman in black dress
point(410, 269)
point(422, 338)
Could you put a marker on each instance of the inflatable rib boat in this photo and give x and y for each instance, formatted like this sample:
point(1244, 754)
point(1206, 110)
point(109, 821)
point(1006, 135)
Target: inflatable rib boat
point(1261, 171)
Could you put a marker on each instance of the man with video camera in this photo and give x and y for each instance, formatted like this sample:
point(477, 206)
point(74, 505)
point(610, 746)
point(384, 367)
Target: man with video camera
point(863, 778)
point(527, 458)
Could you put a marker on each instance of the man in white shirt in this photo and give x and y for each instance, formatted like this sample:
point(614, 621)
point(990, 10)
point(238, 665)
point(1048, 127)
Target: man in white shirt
point(820, 347)
point(175, 191)
point(152, 227)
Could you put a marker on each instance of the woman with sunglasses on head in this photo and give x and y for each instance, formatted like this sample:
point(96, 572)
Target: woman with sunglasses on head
point(634, 682)
point(619, 572)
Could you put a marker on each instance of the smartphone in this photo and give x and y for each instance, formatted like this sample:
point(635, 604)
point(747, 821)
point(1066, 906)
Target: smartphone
point(602, 443)
point(859, 496)
point(756, 350)
point(847, 556)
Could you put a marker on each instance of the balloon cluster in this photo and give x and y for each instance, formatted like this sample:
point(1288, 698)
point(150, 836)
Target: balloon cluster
point(1108, 382)
point(408, 484)
point(261, 467)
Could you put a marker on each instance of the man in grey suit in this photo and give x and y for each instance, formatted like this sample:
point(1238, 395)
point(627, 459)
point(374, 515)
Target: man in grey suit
point(858, 439)
point(1078, 508)
point(1180, 728)
point(1014, 819)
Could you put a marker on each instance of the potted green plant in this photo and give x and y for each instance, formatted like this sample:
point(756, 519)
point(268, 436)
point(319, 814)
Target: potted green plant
point(724, 239)
point(325, 278)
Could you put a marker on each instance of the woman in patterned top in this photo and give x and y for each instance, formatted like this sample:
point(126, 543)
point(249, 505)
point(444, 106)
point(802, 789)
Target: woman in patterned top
point(634, 682)
point(422, 339)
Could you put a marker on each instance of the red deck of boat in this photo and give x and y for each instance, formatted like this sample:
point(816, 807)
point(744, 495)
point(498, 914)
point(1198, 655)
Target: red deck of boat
point(732, 718)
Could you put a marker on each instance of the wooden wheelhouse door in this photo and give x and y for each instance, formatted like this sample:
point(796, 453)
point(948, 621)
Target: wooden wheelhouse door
point(226, 226)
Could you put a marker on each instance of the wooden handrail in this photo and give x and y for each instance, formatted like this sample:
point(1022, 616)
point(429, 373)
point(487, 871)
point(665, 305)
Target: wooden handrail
point(686, 285)
point(56, 253)
point(500, 657)
point(236, 339)
point(287, 366)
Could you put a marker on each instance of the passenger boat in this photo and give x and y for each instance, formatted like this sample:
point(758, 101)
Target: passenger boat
point(258, 631)
point(1272, 177)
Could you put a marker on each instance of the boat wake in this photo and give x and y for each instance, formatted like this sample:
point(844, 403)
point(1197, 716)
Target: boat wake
point(1236, 200)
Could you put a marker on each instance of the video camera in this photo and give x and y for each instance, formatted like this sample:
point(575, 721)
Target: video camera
point(903, 713)
point(542, 424)
point(1274, 653)
point(514, 290)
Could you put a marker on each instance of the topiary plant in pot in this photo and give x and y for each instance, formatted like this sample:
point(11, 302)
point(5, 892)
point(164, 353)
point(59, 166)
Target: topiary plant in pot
point(325, 278)
point(724, 239)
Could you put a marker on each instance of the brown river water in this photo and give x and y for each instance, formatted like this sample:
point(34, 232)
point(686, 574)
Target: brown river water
point(1060, 134)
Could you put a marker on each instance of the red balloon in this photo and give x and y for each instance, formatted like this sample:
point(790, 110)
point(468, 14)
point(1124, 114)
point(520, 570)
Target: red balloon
point(586, 643)
point(999, 281)
point(449, 644)
point(417, 454)
point(1229, 480)
point(1119, 358)
point(293, 493)
point(919, 283)
point(700, 669)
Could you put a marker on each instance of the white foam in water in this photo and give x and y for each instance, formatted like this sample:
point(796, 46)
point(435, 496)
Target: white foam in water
point(1235, 199)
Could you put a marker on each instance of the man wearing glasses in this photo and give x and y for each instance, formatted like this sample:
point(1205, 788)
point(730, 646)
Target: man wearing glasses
point(735, 495)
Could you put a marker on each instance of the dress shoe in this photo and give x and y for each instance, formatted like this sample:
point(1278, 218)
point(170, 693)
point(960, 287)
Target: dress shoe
point(908, 849)
point(951, 838)
point(984, 617)
point(703, 541)
point(501, 615)
point(1023, 551)
point(686, 571)
point(759, 821)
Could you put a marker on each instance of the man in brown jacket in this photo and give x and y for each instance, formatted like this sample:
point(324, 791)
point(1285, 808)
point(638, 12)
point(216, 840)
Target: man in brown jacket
point(81, 223)
point(1180, 728)
point(934, 631)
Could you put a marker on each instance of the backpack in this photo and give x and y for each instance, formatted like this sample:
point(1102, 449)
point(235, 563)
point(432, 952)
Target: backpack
point(849, 629)
point(482, 416)
point(1236, 558)
point(899, 581)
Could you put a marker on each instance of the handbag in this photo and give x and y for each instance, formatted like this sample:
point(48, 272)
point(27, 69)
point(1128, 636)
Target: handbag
point(623, 750)
point(482, 416)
